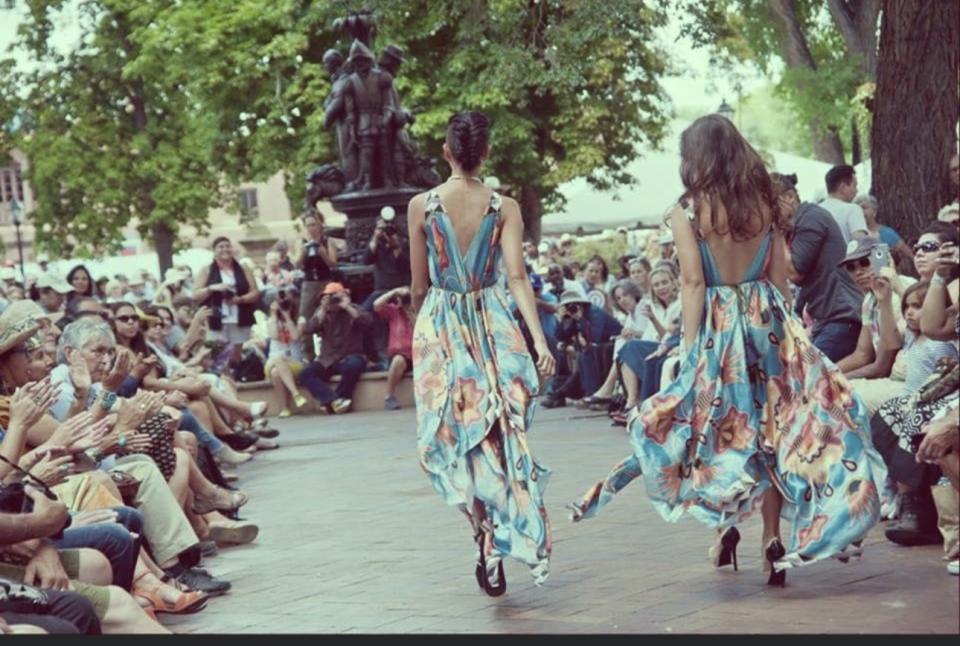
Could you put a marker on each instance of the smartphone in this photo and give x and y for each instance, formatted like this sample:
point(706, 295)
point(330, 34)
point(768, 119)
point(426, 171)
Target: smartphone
point(880, 257)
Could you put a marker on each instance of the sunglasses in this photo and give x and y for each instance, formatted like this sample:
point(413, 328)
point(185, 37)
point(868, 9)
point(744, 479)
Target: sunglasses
point(860, 263)
point(127, 319)
point(926, 247)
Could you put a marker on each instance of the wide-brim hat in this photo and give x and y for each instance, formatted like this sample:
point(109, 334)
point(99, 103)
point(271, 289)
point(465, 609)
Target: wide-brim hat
point(860, 248)
point(173, 276)
point(571, 296)
point(20, 321)
point(666, 237)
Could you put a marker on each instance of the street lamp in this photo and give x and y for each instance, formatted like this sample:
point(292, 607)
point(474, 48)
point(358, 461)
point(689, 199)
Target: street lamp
point(15, 212)
point(725, 110)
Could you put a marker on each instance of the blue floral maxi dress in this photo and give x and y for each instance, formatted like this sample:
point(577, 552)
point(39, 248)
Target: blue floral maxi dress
point(474, 385)
point(756, 405)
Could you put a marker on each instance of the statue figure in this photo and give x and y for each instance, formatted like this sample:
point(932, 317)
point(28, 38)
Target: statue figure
point(367, 95)
point(361, 26)
point(409, 169)
point(335, 113)
point(323, 182)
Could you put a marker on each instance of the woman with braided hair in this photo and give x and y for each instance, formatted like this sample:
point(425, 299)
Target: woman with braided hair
point(475, 381)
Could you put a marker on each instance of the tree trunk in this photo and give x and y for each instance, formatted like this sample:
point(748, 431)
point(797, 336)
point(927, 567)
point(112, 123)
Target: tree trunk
point(163, 244)
point(856, 154)
point(857, 22)
point(796, 53)
point(916, 110)
point(531, 210)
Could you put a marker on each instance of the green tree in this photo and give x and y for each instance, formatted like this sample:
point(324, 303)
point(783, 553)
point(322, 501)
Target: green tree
point(571, 87)
point(111, 139)
point(826, 52)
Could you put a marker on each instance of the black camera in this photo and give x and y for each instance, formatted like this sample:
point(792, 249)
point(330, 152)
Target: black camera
point(14, 500)
point(336, 298)
point(311, 248)
point(572, 309)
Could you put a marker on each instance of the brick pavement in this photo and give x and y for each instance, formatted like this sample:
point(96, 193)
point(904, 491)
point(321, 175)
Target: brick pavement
point(354, 540)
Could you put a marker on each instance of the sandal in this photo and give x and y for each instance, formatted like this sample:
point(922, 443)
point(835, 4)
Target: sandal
point(187, 603)
point(234, 500)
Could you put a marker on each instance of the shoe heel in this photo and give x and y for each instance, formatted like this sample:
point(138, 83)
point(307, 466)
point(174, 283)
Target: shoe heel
point(728, 548)
point(775, 552)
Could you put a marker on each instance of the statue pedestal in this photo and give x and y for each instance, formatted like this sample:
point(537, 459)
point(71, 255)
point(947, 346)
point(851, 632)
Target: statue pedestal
point(362, 209)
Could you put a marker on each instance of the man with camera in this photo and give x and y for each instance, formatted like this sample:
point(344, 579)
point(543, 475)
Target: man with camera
point(387, 252)
point(585, 335)
point(341, 326)
point(317, 259)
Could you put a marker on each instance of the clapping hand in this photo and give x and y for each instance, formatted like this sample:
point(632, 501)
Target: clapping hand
point(121, 368)
point(79, 373)
point(48, 464)
point(31, 402)
point(138, 408)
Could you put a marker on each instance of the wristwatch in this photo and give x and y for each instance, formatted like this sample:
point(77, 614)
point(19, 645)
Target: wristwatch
point(107, 400)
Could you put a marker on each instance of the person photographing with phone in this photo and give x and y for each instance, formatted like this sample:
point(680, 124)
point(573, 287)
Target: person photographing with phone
point(396, 309)
point(230, 291)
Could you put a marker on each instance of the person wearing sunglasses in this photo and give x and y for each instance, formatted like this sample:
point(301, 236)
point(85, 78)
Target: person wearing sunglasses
point(935, 237)
point(881, 334)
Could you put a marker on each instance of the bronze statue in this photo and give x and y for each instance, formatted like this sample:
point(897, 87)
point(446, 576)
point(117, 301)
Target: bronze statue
point(367, 94)
point(335, 113)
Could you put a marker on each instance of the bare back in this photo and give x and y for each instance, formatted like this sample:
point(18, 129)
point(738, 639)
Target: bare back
point(733, 258)
point(466, 203)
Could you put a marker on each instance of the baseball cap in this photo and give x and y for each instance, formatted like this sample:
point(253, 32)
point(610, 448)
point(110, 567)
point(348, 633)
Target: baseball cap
point(860, 248)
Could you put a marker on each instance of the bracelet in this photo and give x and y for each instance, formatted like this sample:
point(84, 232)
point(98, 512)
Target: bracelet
point(937, 279)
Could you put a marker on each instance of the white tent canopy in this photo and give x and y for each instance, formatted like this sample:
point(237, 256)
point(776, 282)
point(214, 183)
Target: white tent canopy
point(658, 187)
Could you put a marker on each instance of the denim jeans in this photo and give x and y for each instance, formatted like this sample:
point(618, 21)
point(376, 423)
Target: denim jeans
point(836, 339)
point(190, 423)
point(314, 378)
point(113, 540)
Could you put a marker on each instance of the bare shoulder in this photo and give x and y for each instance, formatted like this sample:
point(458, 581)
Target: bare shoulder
point(417, 205)
point(509, 207)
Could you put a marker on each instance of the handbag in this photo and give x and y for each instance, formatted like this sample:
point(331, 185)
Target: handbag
point(22, 598)
point(128, 486)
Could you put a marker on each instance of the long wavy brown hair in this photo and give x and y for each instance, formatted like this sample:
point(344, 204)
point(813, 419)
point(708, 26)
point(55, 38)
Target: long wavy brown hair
point(720, 167)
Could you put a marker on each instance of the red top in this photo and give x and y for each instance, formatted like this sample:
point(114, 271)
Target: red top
point(400, 340)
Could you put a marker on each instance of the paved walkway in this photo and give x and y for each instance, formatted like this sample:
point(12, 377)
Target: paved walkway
point(354, 540)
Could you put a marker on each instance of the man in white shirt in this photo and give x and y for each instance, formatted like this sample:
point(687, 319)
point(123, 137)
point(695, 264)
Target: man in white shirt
point(841, 190)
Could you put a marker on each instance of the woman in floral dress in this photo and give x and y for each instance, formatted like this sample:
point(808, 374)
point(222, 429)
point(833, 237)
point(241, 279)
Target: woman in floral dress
point(758, 416)
point(475, 381)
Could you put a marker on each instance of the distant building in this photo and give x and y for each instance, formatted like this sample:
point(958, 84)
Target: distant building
point(261, 215)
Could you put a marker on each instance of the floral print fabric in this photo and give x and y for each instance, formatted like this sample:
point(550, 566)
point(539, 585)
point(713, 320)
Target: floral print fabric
point(756, 405)
point(474, 385)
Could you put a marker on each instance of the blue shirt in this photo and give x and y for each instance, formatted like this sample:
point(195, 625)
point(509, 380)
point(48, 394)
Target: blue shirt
point(68, 394)
point(922, 358)
point(889, 237)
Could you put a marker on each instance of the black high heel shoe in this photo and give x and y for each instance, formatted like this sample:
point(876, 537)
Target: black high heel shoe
point(776, 551)
point(728, 548)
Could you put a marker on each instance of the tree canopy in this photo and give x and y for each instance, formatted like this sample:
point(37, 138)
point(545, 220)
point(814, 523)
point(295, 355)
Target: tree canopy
point(168, 103)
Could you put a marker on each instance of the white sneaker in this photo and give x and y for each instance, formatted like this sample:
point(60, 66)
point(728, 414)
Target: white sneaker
point(953, 567)
point(258, 409)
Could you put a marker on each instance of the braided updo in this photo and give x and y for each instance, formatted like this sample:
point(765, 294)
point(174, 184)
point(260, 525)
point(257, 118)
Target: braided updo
point(468, 134)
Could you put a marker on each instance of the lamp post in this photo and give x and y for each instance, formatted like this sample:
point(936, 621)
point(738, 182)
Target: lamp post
point(15, 212)
point(725, 110)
